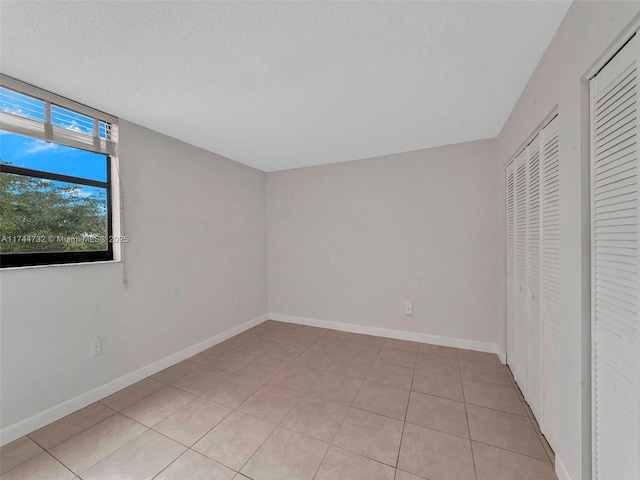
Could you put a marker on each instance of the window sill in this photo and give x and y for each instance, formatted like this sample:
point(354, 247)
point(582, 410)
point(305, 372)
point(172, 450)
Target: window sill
point(55, 265)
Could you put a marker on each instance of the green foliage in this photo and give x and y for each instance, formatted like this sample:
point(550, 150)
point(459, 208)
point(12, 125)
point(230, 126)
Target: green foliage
point(38, 215)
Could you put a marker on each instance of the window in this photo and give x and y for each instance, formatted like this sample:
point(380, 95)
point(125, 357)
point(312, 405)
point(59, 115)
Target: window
point(56, 198)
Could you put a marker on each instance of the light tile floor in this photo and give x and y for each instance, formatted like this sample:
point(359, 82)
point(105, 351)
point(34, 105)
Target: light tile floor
point(284, 401)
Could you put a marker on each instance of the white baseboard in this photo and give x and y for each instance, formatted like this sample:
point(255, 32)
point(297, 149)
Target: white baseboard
point(28, 425)
point(561, 471)
point(399, 334)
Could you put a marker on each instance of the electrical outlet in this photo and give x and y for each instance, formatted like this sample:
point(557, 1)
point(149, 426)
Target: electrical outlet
point(96, 346)
point(408, 308)
point(366, 300)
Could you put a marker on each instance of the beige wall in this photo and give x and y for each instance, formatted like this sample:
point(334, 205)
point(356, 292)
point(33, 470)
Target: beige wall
point(196, 266)
point(422, 226)
point(558, 82)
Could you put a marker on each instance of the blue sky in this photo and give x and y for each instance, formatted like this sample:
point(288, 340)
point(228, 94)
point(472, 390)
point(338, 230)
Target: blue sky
point(29, 152)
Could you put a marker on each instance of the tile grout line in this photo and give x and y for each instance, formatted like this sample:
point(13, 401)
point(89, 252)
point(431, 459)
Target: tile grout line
point(466, 378)
point(280, 422)
point(404, 423)
point(94, 464)
point(251, 456)
point(510, 451)
point(493, 409)
point(340, 427)
point(411, 390)
point(188, 448)
point(533, 420)
point(75, 434)
point(44, 452)
point(477, 441)
point(341, 423)
point(151, 427)
point(466, 413)
point(172, 462)
point(465, 401)
point(236, 409)
point(118, 449)
point(64, 466)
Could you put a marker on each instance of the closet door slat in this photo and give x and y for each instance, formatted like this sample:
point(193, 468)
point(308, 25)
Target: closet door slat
point(550, 250)
point(519, 362)
point(534, 334)
point(511, 269)
point(615, 296)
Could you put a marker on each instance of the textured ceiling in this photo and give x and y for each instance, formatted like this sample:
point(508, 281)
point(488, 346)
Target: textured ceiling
point(279, 85)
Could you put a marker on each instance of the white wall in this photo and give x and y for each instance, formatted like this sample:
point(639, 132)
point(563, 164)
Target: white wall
point(422, 226)
point(196, 266)
point(586, 32)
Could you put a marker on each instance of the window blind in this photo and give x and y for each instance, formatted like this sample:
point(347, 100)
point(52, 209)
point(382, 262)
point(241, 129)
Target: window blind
point(27, 110)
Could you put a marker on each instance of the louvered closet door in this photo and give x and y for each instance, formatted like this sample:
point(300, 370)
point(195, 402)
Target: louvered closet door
point(533, 334)
point(511, 269)
point(519, 364)
point(614, 93)
point(550, 250)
